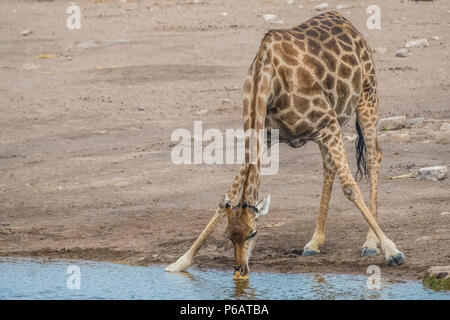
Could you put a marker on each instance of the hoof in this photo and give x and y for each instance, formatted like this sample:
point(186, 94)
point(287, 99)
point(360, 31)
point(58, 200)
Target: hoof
point(396, 260)
point(309, 252)
point(367, 252)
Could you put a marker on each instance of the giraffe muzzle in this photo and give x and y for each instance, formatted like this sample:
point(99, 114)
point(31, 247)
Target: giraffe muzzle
point(240, 272)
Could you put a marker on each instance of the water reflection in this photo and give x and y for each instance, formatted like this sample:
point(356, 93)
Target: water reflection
point(243, 290)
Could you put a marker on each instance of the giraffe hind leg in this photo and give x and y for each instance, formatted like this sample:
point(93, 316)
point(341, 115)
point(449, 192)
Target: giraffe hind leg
point(367, 123)
point(335, 148)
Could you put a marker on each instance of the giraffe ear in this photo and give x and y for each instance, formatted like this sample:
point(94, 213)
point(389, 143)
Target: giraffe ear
point(263, 207)
point(226, 204)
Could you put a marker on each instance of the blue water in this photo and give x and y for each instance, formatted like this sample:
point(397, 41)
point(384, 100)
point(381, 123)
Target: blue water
point(38, 279)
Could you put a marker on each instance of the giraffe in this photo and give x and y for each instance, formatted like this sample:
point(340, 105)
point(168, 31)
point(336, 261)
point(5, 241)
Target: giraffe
point(306, 82)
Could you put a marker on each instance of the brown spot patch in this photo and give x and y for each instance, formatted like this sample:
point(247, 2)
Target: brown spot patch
point(365, 55)
point(285, 75)
point(315, 65)
point(323, 122)
point(345, 38)
point(265, 87)
point(306, 83)
point(289, 59)
point(315, 115)
point(261, 106)
point(276, 87)
point(312, 33)
point(289, 49)
point(301, 104)
point(356, 80)
point(300, 45)
point(319, 102)
point(276, 61)
point(289, 117)
point(345, 47)
point(303, 128)
point(282, 102)
point(350, 59)
point(327, 23)
point(245, 105)
point(343, 91)
point(331, 99)
point(329, 60)
point(332, 45)
point(313, 47)
point(329, 82)
point(247, 86)
point(344, 71)
point(336, 30)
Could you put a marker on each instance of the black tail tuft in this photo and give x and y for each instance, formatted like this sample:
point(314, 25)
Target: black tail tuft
point(361, 153)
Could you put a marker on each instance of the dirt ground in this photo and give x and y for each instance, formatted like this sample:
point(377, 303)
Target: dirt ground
point(85, 135)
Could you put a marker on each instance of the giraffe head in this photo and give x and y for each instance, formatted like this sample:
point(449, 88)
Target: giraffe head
point(242, 231)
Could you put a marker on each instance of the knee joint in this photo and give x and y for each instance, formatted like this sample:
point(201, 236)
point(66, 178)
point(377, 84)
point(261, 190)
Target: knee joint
point(350, 192)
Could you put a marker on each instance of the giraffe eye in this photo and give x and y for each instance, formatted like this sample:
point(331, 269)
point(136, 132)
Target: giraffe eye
point(225, 234)
point(252, 234)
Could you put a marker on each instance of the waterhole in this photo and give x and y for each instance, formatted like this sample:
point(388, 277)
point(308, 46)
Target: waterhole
point(38, 279)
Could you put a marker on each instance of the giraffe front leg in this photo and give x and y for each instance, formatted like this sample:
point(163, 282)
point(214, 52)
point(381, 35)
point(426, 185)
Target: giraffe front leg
point(187, 259)
point(318, 238)
point(351, 190)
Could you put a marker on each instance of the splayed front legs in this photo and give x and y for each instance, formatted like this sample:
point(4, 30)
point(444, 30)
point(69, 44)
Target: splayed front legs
point(186, 259)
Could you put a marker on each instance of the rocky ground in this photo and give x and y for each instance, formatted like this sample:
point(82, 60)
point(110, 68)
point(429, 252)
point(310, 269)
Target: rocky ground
point(86, 118)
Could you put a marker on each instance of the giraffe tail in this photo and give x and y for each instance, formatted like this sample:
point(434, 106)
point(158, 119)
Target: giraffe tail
point(361, 153)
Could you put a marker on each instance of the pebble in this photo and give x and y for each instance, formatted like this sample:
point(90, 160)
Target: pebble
point(414, 122)
point(342, 6)
point(31, 66)
point(419, 43)
point(401, 53)
point(26, 32)
point(445, 127)
point(445, 214)
point(435, 173)
point(320, 7)
point(392, 123)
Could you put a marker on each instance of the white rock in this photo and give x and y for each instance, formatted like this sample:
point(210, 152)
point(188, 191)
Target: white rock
point(26, 32)
point(435, 38)
point(342, 6)
point(320, 7)
point(401, 53)
point(226, 101)
point(31, 66)
point(269, 17)
point(414, 122)
point(445, 127)
point(300, 6)
point(224, 14)
point(445, 214)
point(435, 173)
point(419, 43)
point(351, 138)
point(290, 1)
point(380, 50)
point(392, 123)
